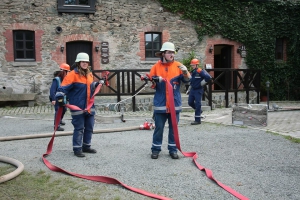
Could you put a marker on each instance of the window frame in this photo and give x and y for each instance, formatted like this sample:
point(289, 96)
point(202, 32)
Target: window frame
point(63, 8)
point(24, 59)
point(153, 51)
point(279, 48)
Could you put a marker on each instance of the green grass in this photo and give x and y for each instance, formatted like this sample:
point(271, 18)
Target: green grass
point(290, 138)
point(42, 186)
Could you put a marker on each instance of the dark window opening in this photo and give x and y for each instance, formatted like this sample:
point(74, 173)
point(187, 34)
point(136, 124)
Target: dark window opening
point(279, 49)
point(76, 6)
point(24, 46)
point(152, 44)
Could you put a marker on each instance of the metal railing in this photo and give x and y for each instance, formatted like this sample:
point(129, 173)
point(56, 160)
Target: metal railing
point(127, 83)
point(233, 80)
point(124, 83)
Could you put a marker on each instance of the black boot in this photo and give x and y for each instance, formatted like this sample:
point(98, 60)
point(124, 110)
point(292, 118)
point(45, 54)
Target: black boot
point(79, 154)
point(89, 150)
point(195, 123)
point(60, 129)
point(154, 155)
point(174, 155)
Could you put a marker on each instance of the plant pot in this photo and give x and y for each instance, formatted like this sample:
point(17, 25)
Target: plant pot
point(264, 98)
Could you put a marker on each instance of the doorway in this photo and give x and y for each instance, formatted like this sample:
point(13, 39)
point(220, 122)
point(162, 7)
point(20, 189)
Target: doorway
point(222, 60)
point(73, 48)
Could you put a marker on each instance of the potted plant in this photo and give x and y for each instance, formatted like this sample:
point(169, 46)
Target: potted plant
point(265, 86)
point(186, 61)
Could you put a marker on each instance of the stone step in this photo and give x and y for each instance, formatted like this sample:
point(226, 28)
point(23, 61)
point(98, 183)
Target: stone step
point(190, 109)
point(143, 102)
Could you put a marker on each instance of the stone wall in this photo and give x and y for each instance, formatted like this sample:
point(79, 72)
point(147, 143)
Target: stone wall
point(121, 23)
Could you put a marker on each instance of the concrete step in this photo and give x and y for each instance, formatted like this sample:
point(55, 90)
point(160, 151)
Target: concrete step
point(143, 102)
point(190, 109)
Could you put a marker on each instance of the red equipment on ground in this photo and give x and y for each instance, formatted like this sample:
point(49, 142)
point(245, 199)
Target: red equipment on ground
point(147, 125)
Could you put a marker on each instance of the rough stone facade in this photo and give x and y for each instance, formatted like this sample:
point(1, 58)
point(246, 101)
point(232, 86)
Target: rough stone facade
point(121, 23)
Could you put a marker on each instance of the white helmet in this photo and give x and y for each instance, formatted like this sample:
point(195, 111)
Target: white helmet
point(82, 57)
point(168, 46)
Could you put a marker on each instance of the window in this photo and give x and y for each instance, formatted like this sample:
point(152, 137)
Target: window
point(76, 6)
point(24, 47)
point(152, 44)
point(279, 49)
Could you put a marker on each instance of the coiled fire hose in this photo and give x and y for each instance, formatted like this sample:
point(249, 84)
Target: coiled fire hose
point(15, 173)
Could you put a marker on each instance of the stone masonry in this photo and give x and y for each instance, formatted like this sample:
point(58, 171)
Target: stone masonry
point(121, 23)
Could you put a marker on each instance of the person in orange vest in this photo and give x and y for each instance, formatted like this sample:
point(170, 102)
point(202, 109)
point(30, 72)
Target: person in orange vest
point(199, 80)
point(79, 86)
point(56, 82)
point(174, 72)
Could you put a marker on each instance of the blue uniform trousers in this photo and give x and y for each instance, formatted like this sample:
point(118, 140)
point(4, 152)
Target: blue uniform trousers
point(83, 130)
point(194, 101)
point(160, 120)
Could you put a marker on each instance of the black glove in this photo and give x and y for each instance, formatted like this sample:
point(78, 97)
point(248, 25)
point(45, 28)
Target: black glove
point(157, 79)
point(145, 78)
point(61, 101)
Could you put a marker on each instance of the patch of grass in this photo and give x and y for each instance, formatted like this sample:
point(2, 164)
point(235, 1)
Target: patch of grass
point(290, 138)
point(41, 185)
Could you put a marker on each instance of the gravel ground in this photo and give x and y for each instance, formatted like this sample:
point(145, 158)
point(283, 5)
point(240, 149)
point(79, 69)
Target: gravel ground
point(256, 164)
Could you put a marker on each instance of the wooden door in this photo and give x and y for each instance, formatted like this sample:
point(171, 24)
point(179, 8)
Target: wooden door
point(73, 48)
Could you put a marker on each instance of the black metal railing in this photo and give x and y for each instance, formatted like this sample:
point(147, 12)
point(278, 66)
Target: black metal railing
point(127, 83)
point(233, 80)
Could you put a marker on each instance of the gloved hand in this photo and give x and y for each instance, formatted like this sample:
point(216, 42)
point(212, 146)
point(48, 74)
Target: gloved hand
point(157, 79)
point(102, 82)
point(61, 101)
point(145, 78)
point(188, 90)
point(183, 69)
point(203, 82)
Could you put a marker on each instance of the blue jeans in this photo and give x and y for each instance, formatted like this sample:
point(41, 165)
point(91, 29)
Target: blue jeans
point(160, 120)
point(83, 130)
point(194, 101)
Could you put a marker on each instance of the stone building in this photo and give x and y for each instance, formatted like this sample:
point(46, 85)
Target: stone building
point(36, 36)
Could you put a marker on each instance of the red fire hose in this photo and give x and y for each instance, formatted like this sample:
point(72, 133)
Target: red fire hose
point(110, 180)
point(194, 155)
point(102, 179)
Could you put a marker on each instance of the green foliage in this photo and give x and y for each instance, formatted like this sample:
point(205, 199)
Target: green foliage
point(256, 24)
point(187, 60)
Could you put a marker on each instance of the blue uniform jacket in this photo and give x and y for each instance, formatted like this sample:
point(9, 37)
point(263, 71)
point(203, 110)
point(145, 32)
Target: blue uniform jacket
point(55, 84)
point(198, 75)
point(79, 90)
point(174, 75)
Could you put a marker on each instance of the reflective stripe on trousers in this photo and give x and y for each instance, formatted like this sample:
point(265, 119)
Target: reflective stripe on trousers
point(83, 130)
point(160, 120)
